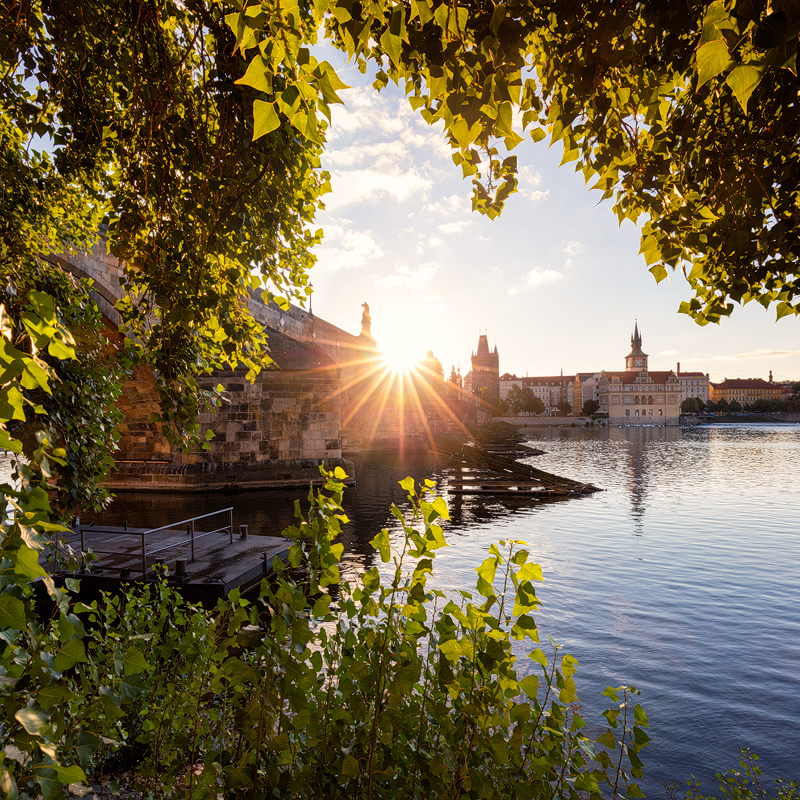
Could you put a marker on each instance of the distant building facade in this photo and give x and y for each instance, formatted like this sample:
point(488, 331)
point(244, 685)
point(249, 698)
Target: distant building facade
point(550, 389)
point(638, 396)
point(485, 368)
point(745, 390)
point(693, 384)
point(582, 388)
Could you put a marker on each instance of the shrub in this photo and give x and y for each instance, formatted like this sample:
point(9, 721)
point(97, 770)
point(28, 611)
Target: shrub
point(379, 687)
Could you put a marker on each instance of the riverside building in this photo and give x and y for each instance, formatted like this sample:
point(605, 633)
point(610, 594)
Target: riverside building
point(638, 396)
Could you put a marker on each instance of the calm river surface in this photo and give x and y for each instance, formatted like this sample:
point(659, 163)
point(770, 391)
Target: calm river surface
point(682, 578)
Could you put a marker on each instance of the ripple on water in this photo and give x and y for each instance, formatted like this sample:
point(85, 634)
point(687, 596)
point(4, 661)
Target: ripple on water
point(681, 578)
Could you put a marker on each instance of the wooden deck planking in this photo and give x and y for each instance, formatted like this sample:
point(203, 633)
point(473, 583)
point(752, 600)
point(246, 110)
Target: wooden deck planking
point(219, 565)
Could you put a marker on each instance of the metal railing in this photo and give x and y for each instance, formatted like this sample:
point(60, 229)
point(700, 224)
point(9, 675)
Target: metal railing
point(191, 532)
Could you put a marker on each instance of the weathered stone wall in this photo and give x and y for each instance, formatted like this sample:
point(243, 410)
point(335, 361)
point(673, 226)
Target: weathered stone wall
point(283, 415)
point(329, 393)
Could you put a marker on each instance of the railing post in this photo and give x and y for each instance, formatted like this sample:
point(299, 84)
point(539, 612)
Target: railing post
point(144, 558)
point(192, 540)
point(230, 527)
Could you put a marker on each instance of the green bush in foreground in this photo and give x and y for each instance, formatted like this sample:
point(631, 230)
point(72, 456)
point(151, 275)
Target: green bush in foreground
point(738, 784)
point(380, 687)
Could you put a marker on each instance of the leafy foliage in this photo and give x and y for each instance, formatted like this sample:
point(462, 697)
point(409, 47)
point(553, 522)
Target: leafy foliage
point(743, 783)
point(522, 400)
point(590, 407)
point(685, 113)
point(37, 356)
point(379, 687)
point(691, 405)
point(151, 132)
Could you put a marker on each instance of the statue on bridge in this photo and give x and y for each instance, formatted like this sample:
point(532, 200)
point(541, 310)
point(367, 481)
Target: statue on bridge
point(366, 321)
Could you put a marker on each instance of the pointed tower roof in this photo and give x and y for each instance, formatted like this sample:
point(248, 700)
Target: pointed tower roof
point(636, 337)
point(636, 342)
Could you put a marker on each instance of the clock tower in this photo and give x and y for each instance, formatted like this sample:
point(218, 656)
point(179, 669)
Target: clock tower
point(636, 360)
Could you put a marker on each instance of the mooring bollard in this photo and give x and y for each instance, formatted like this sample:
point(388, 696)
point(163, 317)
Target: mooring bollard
point(180, 569)
point(243, 532)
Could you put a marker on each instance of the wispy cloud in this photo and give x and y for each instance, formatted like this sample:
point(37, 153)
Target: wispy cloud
point(455, 227)
point(756, 354)
point(672, 352)
point(373, 151)
point(406, 276)
point(450, 206)
point(572, 248)
point(345, 248)
point(536, 277)
point(528, 178)
point(355, 186)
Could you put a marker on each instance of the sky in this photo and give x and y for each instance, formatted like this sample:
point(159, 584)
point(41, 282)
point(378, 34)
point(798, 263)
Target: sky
point(555, 282)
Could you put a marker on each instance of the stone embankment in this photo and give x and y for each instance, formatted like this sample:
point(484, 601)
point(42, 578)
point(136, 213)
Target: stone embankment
point(547, 422)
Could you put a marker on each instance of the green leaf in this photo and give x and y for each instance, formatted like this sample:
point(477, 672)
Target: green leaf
point(257, 75)
point(539, 657)
point(634, 791)
point(498, 15)
point(712, 59)
point(12, 612)
point(451, 649)
point(530, 572)
point(27, 563)
point(743, 80)
point(530, 685)
point(265, 119)
point(382, 543)
point(51, 695)
point(350, 767)
point(339, 474)
point(53, 777)
point(371, 580)
point(407, 485)
point(487, 569)
point(32, 719)
point(393, 45)
point(69, 654)
point(440, 507)
point(135, 662)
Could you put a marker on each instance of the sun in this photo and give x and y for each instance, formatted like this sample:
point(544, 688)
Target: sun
point(400, 355)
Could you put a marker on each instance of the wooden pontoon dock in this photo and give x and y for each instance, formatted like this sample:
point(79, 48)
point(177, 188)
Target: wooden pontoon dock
point(204, 564)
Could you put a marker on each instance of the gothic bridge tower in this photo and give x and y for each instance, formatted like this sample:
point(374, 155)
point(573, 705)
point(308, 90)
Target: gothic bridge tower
point(485, 368)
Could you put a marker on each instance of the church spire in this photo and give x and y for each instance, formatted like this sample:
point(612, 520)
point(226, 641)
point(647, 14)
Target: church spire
point(636, 338)
point(637, 359)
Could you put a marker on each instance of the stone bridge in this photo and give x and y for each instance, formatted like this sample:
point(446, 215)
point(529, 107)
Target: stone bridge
point(327, 395)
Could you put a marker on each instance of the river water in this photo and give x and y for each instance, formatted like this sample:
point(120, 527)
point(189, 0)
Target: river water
point(681, 578)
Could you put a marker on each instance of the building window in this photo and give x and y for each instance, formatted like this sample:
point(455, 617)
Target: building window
point(636, 414)
point(627, 412)
point(660, 412)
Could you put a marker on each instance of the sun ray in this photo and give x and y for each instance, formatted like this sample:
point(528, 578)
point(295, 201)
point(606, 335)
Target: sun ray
point(358, 379)
point(449, 411)
point(363, 399)
point(420, 408)
point(382, 407)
